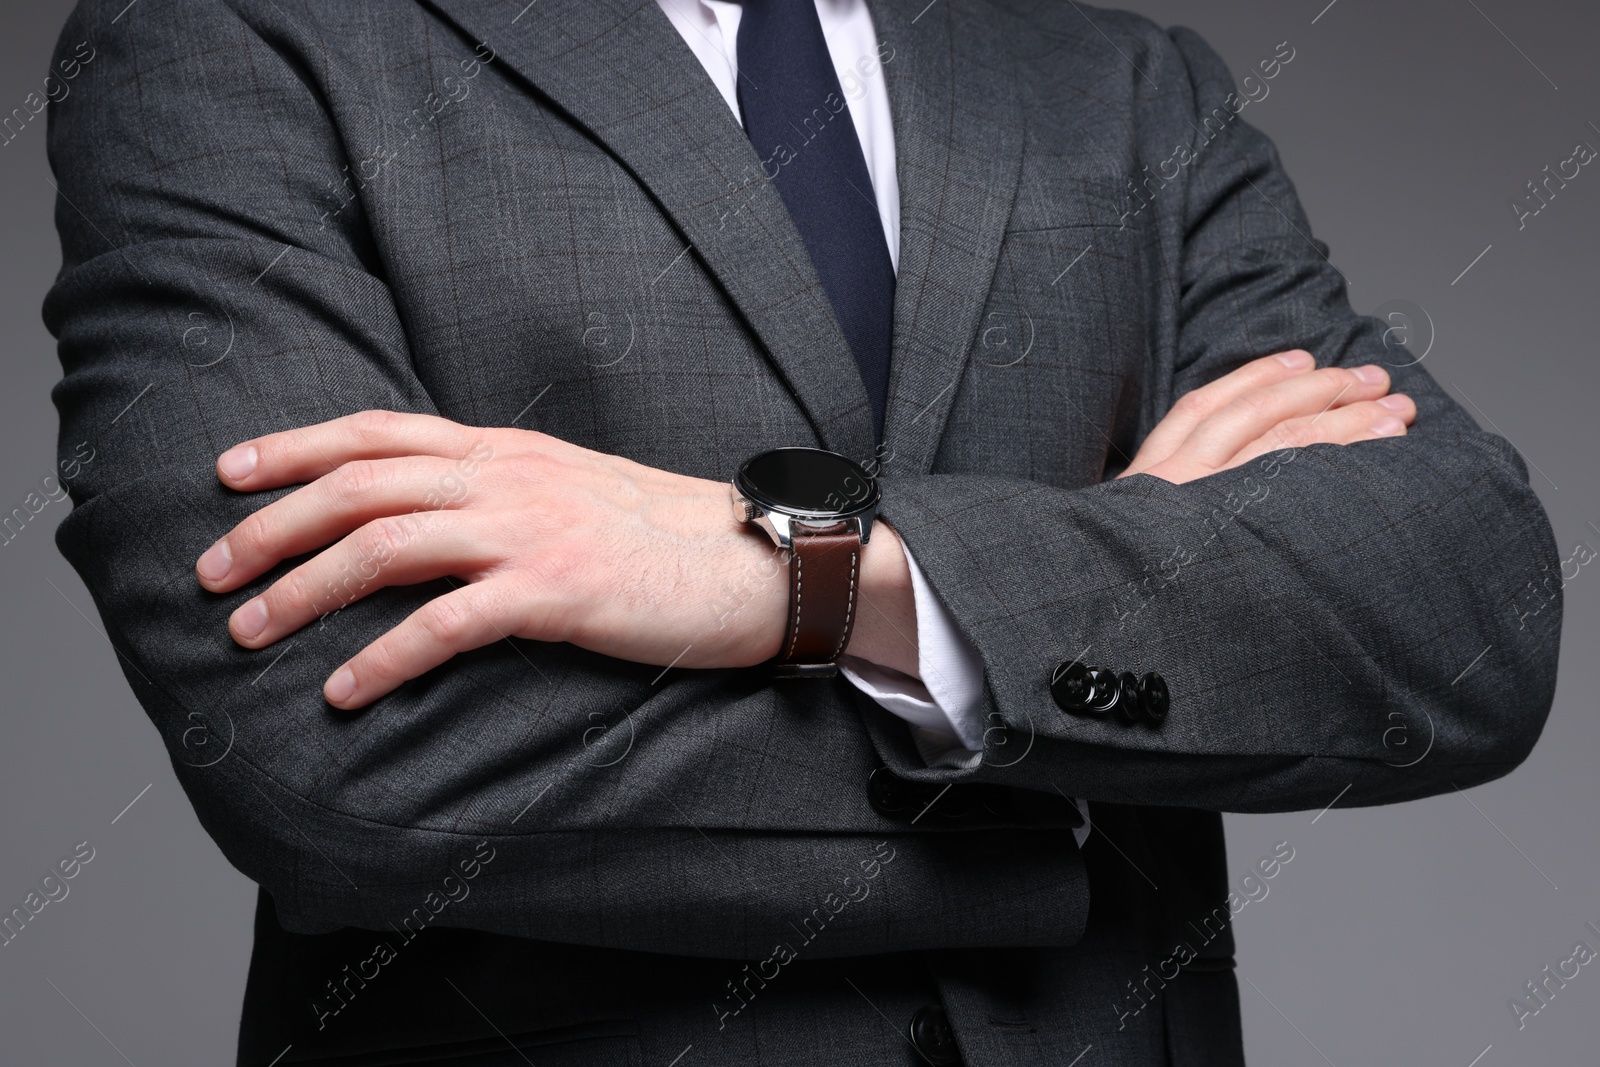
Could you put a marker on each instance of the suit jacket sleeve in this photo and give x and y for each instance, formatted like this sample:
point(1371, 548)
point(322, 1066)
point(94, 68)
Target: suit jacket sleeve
point(1379, 617)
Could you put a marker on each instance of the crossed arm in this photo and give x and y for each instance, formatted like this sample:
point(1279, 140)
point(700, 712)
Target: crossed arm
point(560, 543)
point(1361, 588)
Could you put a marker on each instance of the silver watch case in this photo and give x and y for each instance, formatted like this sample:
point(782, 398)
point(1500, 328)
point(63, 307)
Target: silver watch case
point(781, 523)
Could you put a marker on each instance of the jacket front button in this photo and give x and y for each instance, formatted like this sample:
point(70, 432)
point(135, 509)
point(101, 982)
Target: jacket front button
point(931, 1035)
point(888, 795)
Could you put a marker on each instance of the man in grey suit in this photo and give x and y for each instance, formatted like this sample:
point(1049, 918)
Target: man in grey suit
point(435, 332)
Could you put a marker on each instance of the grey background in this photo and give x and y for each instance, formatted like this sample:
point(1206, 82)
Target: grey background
point(1396, 935)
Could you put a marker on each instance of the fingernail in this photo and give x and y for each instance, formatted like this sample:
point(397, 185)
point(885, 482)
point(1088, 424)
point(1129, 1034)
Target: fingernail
point(1396, 402)
point(250, 620)
point(216, 563)
point(237, 463)
point(1369, 374)
point(1295, 360)
point(338, 688)
point(1388, 426)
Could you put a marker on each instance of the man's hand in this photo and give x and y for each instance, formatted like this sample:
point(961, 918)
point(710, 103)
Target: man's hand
point(1268, 404)
point(553, 542)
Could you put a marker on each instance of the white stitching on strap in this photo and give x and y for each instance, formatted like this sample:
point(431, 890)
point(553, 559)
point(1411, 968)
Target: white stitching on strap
point(850, 606)
point(794, 624)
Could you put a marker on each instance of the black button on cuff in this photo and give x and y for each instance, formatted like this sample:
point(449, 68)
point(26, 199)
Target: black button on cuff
point(1154, 700)
point(931, 1035)
point(1069, 686)
point(1104, 690)
point(1128, 697)
point(1095, 691)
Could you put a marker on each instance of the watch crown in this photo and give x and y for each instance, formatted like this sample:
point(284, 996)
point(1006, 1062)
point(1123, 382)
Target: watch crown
point(745, 510)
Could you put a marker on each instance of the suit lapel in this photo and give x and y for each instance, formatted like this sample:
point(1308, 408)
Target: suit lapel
point(620, 69)
point(958, 146)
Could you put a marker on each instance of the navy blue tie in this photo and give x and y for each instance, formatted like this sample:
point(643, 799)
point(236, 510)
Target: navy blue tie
point(799, 121)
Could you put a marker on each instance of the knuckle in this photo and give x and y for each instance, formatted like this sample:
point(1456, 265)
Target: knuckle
point(337, 590)
point(541, 441)
point(1349, 425)
point(383, 539)
point(252, 538)
point(1191, 404)
point(1302, 432)
point(375, 427)
point(1254, 405)
point(1335, 379)
point(382, 659)
point(295, 590)
point(448, 621)
point(357, 480)
point(1263, 371)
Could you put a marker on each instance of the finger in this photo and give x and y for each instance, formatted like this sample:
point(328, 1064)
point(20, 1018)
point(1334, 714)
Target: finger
point(326, 510)
point(1365, 421)
point(468, 618)
point(308, 453)
point(1224, 434)
point(392, 551)
point(1198, 404)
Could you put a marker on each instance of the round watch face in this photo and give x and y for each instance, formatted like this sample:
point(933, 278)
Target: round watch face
point(807, 482)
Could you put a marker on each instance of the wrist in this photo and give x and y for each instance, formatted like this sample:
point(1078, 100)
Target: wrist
point(752, 611)
point(885, 631)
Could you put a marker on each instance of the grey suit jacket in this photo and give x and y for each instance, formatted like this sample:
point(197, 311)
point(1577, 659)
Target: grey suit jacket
point(543, 214)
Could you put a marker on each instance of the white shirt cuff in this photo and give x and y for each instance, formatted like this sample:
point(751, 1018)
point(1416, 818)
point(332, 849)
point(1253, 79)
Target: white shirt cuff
point(945, 706)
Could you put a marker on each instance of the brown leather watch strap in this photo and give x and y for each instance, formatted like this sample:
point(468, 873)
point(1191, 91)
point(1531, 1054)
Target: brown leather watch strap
point(824, 574)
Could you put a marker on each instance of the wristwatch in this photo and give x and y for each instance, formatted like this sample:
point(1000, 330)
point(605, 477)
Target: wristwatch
point(819, 507)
